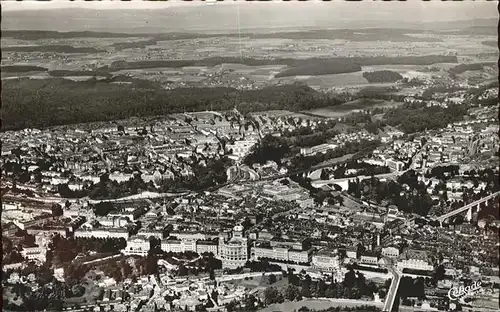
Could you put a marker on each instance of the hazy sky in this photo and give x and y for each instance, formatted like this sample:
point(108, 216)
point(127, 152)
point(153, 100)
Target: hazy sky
point(136, 16)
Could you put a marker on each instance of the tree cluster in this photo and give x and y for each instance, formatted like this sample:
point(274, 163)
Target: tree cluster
point(416, 200)
point(9, 253)
point(317, 67)
point(272, 295)
point(75, 272)
point(270, 148)
point(357, 118)
point(429, 92)
point(354, 286)
point(410, 287)
point(49, 296)
point(443, 172)
point(22, 68)
point(119, 270)
point(140, 44)
point(374, 127)
point(262, 266)
point(462, 68)
point(66, 249)
point(379, 93)
point(249, 303)
point(382, 76)
point(417, 118)
point(205, 176)
point(107, 188)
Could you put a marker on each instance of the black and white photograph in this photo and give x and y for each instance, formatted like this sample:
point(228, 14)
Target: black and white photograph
point(271, 156)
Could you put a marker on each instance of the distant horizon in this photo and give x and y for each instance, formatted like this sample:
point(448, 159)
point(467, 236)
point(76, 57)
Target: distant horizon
point(165, 17)
point(249, 29)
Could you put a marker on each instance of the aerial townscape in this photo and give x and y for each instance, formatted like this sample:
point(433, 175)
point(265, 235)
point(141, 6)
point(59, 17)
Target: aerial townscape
point(302, 167)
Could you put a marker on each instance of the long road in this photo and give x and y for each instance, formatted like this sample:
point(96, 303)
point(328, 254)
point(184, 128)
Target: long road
point(58, 200)
point(393, 290)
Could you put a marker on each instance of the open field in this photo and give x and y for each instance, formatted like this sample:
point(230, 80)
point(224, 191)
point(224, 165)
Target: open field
point(328, 81)
point(335, 161)
point(319, 304)
point(281, 45)
point(347, 108)
point(281, 113)
point(267, 48)
point(324, 60)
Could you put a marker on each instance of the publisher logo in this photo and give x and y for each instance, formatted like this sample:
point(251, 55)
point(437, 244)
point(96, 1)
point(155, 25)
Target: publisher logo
point(462, 292)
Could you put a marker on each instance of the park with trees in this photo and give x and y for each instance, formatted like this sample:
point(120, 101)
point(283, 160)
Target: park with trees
point(411, 118)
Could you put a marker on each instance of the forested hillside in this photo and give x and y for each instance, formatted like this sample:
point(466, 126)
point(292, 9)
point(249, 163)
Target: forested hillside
point(49, 102)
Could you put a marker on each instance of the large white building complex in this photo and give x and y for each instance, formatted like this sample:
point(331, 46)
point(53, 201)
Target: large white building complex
point(415, 260)
point(137, 246)
point(234, 252)
point(326, 261)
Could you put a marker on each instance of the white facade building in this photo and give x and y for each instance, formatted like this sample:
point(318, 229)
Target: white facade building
point(35, 253)
point(192, 235)
point(414, 264)
point(234, 252)
point(394, 165)
point(390, 252)
point(369, 259)
point(137, 246)
point(209, 247)
point(282, 253)
point(326, 262)
point(151, 233)
point(299, 256)
point(102, 233)
point(322, 148)
point(175, 245)
point(112, 222)
point(415, 260)
point(276, 253)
